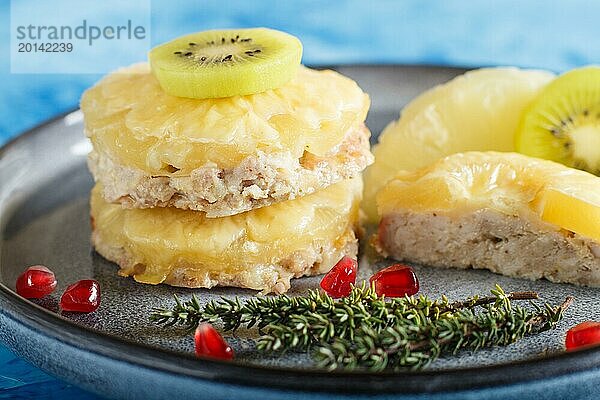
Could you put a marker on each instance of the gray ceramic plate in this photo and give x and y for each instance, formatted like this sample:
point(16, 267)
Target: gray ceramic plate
point(116, 351)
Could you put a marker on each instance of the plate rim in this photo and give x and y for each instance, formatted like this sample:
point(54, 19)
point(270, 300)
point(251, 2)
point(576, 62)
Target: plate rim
point(56, 327)
point(53, 326)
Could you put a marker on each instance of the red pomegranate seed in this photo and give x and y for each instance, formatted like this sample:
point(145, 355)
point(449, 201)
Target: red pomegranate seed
point(82, 296)
point(582, 335)
point(396, 280)
point(36, 282)
point(337, 282)
point(209, 343)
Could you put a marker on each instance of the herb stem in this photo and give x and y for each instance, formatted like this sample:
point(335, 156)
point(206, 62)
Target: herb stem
point(480, 301)
point(365, 330)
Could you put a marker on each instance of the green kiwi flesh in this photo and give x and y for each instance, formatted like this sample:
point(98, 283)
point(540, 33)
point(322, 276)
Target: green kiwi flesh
point(225, 63)
point(563, 123)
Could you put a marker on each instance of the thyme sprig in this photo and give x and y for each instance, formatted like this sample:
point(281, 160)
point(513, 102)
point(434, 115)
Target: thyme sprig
point(415, 346)
point(367, 330)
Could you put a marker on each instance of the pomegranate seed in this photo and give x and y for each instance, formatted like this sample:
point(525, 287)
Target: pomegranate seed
point(337, 282)
point(582, 335)
point(396, 280)
point(81, 296)
point(209, 343)
point(36, 282)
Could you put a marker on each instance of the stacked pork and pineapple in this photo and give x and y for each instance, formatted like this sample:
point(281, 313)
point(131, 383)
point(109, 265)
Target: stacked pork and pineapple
point(225, 162)
point(449, 190)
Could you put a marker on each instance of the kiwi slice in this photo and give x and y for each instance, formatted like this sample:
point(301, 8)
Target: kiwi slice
point(224, 63)
point(563, 122)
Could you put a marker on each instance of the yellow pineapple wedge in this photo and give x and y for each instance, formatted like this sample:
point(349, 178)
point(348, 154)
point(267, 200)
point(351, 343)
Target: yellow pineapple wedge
point(506, 212)
point(260, 249)
point(479, 110)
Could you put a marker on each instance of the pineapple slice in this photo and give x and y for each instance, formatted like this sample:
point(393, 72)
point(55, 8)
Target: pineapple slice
point(129, 116)
point(153, 243)
point(510, 183)
point(479, 110)
point(573, 208)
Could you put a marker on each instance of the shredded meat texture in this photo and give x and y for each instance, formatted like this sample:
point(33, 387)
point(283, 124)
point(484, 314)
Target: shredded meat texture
point(258, 181)
point(488, 239)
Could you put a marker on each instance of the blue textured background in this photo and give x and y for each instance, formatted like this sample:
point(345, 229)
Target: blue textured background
point(556, 35)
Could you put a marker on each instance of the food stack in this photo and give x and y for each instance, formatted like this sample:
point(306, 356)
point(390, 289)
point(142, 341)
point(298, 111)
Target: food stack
point(225, 162)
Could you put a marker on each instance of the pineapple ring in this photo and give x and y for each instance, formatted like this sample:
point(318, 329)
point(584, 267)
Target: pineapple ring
point(259, 249)
point(511, 183)
point(477, 111)
point(130, 117)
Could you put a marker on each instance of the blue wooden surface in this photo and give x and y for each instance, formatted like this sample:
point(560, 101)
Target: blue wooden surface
point(542, 33)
